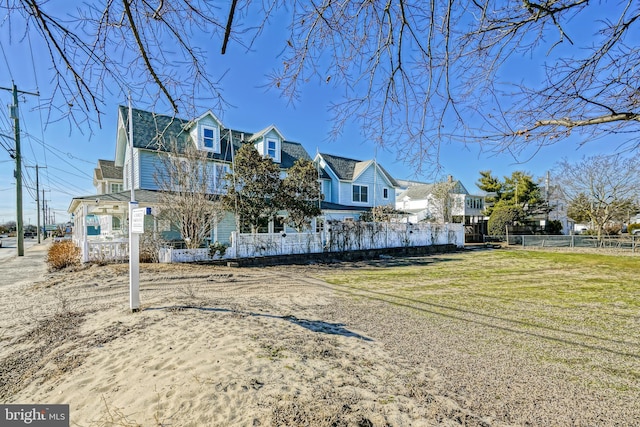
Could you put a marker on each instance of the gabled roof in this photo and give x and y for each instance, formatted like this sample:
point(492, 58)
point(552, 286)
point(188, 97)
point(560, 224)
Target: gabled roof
point(292, 151)
point(108, 170)
point(156, 132)
point(349, 169)
point(418, 191)
point(265, 131)
point(202, 116)
point(343, 167)
point(406, 183)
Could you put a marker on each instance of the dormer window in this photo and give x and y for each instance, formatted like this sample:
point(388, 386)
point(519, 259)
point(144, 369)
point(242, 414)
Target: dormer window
point(272, 148)
point(268, 142)
point(209, 138)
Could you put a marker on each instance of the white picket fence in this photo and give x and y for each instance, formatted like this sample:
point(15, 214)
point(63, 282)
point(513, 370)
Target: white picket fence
point(102, 252)
point(349, 236)
point(346, 236)
point(169, 255)
point(338, 237)
point(246, 245)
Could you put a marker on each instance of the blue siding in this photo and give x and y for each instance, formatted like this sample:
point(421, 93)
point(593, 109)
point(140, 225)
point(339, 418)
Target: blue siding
point(326, 190)
point(150, 166)
point(225, 227)
point(375, 183)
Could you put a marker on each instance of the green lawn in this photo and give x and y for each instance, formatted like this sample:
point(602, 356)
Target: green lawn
point(577, 309)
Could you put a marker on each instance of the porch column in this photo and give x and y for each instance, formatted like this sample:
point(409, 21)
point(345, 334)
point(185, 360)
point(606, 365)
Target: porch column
point(85, 241)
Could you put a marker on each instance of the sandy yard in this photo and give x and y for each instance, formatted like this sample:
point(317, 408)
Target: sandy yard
point(274, 346)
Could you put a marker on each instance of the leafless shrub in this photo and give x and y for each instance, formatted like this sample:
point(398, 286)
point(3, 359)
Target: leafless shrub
point(62, 255)
point(150, 245)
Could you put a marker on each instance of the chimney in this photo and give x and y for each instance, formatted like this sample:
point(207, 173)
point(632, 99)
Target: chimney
point(450, 178)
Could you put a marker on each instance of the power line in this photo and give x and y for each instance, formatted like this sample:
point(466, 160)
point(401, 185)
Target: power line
point(35, 76)
point(6, 61)
point(55, 152)
point(16, 120)
point(62, 184)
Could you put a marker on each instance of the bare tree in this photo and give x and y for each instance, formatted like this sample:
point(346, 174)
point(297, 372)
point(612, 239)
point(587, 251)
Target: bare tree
point(190, 185)
point(429, 72)
point(443, 202)
point(425, 72)
point(113, 48)
point(600, 188)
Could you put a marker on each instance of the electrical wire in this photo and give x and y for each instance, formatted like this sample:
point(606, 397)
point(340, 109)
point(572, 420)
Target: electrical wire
point(6, 61)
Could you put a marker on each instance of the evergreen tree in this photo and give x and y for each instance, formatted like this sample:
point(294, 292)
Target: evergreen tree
point(300, 194)
point(252, 187)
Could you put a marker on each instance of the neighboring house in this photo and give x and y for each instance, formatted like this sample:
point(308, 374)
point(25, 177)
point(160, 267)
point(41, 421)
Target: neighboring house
point(107, 177)
point(351, 187)
point(423, 202)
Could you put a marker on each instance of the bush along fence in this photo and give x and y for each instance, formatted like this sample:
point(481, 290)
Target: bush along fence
point(338, 237)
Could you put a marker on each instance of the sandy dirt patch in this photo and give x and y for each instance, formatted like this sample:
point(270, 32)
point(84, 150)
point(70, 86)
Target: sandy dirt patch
point(211, 346)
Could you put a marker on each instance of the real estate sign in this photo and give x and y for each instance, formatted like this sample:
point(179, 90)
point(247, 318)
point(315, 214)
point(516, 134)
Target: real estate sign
point(137, 219)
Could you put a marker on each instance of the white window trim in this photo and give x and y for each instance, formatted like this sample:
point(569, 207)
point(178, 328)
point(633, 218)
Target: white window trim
point(216, 138)
point(358, 201)
point(277, 148)
point(219, 172)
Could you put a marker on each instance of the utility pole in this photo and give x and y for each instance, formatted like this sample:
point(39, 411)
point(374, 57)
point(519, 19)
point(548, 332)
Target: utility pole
point(38, 199)
point(13, 109)
point(44, 214)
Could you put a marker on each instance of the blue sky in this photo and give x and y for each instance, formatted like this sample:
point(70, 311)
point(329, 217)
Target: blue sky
point(69, 153)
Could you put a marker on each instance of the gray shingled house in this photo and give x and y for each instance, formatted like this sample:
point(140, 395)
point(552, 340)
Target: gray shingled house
point(350, 187)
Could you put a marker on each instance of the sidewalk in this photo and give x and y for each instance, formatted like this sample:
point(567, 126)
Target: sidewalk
point(28, 268)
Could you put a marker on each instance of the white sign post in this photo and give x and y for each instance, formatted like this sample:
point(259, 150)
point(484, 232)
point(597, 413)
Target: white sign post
point(136, 227)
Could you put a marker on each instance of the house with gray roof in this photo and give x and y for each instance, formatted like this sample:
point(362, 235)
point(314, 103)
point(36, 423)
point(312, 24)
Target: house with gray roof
point(107, 177)
point(447, 201)
point(351, 187)
point(156, 136)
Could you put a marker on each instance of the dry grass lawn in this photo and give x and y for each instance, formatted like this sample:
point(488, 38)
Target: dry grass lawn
point(527, 336)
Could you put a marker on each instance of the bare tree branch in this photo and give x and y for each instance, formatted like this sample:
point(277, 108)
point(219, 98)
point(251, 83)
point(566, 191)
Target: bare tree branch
point(568, 123)
point(227, 31)
point(143, 52)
